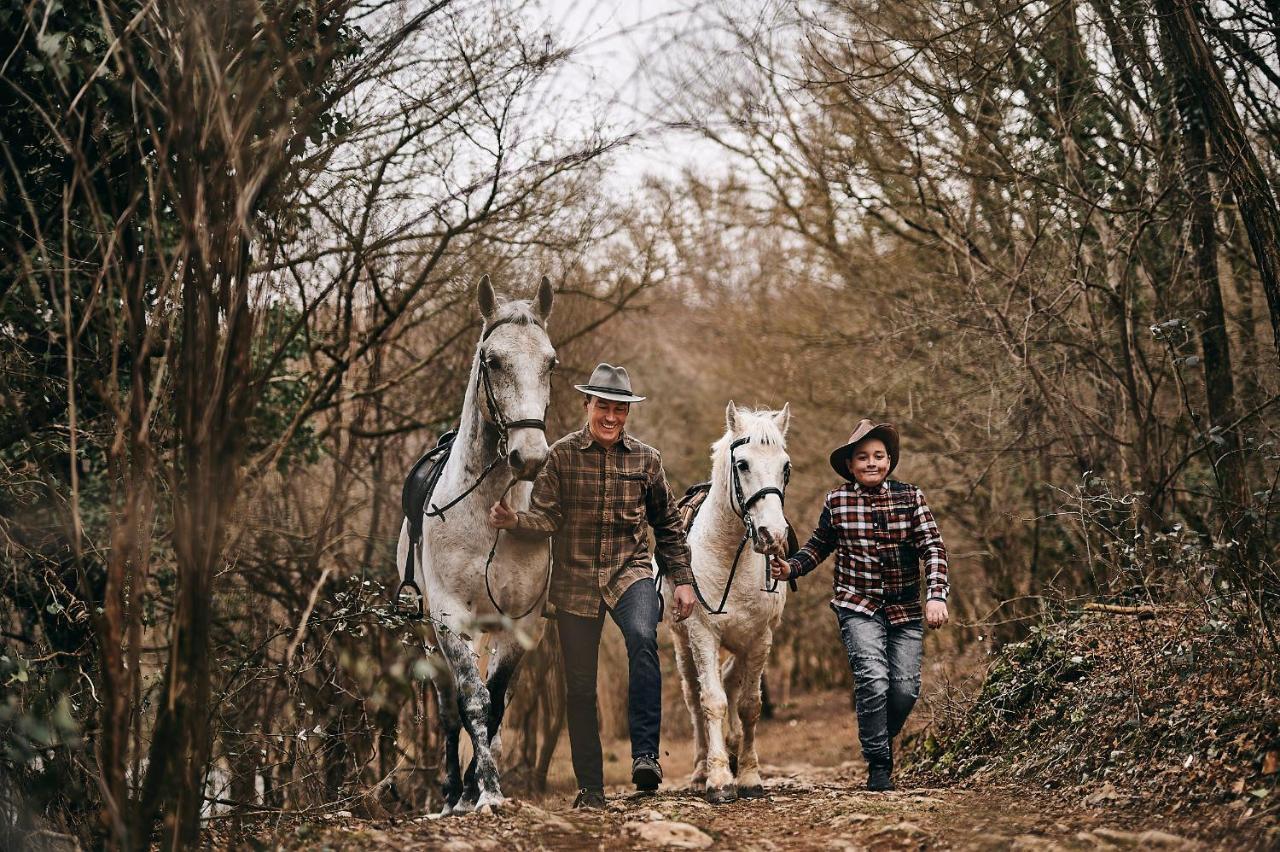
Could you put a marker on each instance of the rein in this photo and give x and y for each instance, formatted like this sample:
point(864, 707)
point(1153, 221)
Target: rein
point(743, 511)
point(504, 427)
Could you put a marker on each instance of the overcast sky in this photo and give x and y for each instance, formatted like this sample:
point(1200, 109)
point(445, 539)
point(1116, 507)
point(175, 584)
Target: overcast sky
point(621, 52)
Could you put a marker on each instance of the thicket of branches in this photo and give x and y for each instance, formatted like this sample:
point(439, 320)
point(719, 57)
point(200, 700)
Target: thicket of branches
point(236, 258)
point(1041, 237)
point(239, 245)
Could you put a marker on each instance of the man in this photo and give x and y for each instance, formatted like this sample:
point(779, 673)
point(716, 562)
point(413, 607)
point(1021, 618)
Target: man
point(599, 493)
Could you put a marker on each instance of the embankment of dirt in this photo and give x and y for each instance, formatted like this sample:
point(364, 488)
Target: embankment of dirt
point(1171, 711)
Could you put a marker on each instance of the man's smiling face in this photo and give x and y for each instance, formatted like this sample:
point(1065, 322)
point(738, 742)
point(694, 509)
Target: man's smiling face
point(606, 419)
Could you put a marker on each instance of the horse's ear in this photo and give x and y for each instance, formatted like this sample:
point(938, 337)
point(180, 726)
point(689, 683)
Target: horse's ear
point(546, 295)
point(486, 299)
point(783, 418)
point(731, 417)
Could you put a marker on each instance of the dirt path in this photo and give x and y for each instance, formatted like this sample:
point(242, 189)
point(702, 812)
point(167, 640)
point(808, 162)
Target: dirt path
point(814, 800)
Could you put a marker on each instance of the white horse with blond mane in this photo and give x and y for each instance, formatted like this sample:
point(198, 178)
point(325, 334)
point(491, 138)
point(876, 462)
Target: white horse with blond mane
point(741, 605)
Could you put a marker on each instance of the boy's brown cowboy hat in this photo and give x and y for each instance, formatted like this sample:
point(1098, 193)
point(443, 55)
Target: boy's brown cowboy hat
point(866, 429)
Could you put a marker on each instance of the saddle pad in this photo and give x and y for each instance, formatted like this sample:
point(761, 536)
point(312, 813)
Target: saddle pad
point(688, 505)
point(421, 482)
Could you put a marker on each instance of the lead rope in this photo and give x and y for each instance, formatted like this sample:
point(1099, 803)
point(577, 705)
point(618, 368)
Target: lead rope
point(489, 561)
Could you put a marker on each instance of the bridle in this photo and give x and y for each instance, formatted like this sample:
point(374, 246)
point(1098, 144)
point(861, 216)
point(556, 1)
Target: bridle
point(735, 483)
point(504, 427)
point(743, 511)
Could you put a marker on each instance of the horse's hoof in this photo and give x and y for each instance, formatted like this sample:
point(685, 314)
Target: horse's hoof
point(464, 806)
point(490, 802)
point(721, 795)
point(755, 791)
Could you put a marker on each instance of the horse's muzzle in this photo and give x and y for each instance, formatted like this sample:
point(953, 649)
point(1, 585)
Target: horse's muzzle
point(769, 543)
point(527, 461)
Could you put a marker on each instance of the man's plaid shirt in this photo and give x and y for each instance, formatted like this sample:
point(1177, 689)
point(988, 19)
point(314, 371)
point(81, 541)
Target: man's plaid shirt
point(880, 538)
point(599, 504)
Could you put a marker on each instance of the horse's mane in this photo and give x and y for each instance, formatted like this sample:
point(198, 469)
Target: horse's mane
point(516, 311)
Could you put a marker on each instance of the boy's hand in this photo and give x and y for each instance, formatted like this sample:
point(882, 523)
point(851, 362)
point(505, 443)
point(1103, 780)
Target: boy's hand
point(501, 516)
point(935, 613)
point(779, 568)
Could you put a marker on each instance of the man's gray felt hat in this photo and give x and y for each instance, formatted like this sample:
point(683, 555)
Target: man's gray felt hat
point(609, 382)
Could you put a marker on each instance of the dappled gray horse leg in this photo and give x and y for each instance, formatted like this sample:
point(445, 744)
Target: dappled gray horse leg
point(473, 706)
point(451, 722)
point(502, 671)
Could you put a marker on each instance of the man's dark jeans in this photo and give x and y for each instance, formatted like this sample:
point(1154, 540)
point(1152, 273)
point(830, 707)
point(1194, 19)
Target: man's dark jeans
point(637, 617)
point(885, 659)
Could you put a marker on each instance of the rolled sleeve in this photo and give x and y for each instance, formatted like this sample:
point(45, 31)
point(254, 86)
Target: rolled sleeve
point(817, 548)
point(927, 539)
point(668, 533)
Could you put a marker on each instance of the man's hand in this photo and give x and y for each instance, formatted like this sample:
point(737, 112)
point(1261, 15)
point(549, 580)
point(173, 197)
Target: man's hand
point(501, 516)
point(935, 613)
point(779, 568)
point(683, 601)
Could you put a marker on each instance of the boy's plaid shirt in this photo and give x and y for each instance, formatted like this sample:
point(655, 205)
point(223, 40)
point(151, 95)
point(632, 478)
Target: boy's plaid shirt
point(880, 538)
point(599, 504)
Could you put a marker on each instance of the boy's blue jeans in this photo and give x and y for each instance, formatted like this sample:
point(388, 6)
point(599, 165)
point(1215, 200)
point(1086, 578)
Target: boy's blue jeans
point(885, 659)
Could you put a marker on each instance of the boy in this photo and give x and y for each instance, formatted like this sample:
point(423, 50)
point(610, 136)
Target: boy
point(881, 531)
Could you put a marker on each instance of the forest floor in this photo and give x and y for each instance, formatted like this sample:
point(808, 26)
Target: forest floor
point(814, 799)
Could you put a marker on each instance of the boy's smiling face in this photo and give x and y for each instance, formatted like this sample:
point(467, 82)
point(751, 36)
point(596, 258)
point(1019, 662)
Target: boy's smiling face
point(869, 462)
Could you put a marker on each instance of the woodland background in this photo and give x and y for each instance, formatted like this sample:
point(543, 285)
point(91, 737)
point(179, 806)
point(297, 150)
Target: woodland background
point(238, 247)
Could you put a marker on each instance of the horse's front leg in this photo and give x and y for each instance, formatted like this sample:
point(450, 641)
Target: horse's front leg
point(473, 706)
point(693, 700)
point(451, 723)
point(705, 645)
point(750, 784)
point(503, 665)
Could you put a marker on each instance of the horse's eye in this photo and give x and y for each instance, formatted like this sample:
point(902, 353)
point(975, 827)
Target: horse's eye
point(743, 467)
point(493, 362)
point(555, 362)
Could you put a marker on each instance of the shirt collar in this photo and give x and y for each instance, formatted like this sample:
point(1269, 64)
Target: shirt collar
point(856, 487)
point(586, 439)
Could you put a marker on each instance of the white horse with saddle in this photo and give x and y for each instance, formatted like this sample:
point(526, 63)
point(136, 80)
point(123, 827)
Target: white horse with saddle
point(741, 604)
point(483, 589)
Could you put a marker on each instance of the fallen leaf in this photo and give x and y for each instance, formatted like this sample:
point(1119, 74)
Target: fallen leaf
point(1271, 763)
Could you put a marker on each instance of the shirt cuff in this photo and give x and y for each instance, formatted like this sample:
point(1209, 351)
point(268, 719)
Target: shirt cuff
point(939, 594)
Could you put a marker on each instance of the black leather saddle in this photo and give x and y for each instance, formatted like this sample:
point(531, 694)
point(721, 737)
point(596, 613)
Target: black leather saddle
point(421, 482)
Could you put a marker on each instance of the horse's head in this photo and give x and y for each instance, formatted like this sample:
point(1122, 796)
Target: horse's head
point(515, 359)
point(751, 461)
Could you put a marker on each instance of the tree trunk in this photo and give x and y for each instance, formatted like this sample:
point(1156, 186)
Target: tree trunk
point(1224, 444)
point(1244, 175)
